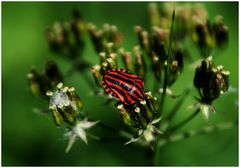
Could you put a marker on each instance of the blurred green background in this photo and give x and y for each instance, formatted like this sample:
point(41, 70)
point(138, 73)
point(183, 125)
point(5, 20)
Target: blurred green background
point(30, 139)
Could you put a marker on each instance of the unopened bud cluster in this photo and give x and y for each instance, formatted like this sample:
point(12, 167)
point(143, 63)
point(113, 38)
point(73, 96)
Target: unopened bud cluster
point(191, 20)
point(138, 64)
point(108, 34)
point(67, 37)
point(107, 60)
point(141, 114)
point(155, 45)
point(211, 81)
point(40, 83)
point(64, 104)
point(210, 35)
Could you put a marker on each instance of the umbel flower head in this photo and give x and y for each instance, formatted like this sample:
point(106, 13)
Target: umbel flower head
point(108, 34)
point(155, 45)
point(211, 81)
point(140, 114)
point(64, 104)
point(209, 35)
point(67, 37)
point(40, 83)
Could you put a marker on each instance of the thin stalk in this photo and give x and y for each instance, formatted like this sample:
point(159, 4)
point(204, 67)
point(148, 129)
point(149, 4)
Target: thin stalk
point(191, 133)
point(166, 69)
point(184, 122)
point(181, 136)
point(174, 110)
point(124, 134)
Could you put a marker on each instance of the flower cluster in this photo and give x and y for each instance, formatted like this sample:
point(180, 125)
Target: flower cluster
point(66, 38)
point(160, 51)
point(208, 36)
point(66, 107)
point(108, 34)
point(141, 114)
point(155, 45)
point(64, 104)
point(40, 83)
point(191, 20)
point(211, 81)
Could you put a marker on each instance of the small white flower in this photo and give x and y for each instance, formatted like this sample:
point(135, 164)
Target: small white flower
point(79, 131)
point(206, 109)
point(149, 134)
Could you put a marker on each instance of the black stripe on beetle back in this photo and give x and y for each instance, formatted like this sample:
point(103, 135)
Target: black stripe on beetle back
point(125, 79)
point(122, 93)
point(138, 92)
point(138, 79)
point(131, 91)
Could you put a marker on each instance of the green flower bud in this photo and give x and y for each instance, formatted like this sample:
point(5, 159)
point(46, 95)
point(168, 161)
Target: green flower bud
point(35, 83)
point(154, 14)
point(141, 114)
point(127, 60)
point(176, 66)
point(66, 38)
point(124, 115)
point(39, 83)
point(53, 73)
point(140, 65)
point(143, 38)
point(96, 37)
point(96, 71)
point(220, 32)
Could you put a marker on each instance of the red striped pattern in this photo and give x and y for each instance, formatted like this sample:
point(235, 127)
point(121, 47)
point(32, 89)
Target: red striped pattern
point(126, 87)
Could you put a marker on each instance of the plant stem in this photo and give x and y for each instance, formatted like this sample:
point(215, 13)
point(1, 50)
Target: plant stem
point(166, 69)
point(121, 133)
point(174, 110)
point(191, 133)
point(181, 124)
point(181, 136)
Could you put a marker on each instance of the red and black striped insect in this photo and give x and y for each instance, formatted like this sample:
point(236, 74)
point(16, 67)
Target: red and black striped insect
point(126, 87)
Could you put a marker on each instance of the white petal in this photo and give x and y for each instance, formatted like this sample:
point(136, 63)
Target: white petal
point(156, 120)
point(71, 141)
point(132, 140)
point(157, 130)
point(87, 124)
point(82, 134)
point(205, 111)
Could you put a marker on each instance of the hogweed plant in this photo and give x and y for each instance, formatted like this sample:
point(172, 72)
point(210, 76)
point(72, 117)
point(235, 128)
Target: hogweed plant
point(160, 52)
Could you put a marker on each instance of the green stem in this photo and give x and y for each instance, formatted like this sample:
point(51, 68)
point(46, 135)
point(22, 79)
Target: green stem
point(184, 122)
point(174, 110)
point(202, 131)
point(121, 133)
point(166, 69)
point(181, 136)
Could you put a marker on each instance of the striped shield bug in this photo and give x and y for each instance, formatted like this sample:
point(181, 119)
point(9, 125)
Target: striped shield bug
point(126, 87)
